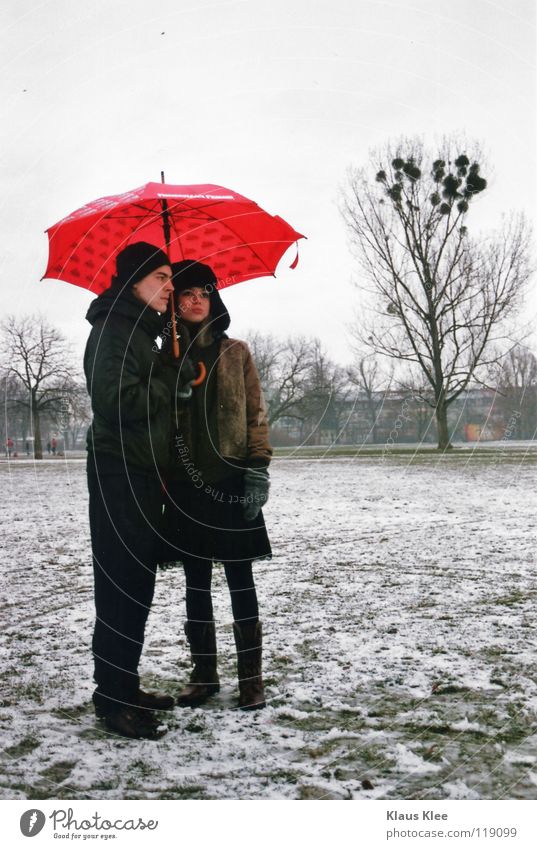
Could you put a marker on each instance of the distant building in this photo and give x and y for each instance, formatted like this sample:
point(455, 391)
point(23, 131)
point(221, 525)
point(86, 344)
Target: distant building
point(476, 415)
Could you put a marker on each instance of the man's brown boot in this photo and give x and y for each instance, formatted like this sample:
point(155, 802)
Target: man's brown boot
point(204, 677)
point(144, 700)
point(135, 723)
point(155, 701)
point(248, 639)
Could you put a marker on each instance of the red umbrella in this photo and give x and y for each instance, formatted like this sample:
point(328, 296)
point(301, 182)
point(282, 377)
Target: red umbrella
point(211, 224)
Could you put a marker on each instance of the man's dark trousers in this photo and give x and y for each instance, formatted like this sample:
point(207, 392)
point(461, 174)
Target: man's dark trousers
point(125, 519)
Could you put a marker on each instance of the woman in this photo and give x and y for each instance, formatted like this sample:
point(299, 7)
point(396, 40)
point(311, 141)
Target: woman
point(132, 397)
point(218, 484)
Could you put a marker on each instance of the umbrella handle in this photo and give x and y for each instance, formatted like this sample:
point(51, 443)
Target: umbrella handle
point(202, 375)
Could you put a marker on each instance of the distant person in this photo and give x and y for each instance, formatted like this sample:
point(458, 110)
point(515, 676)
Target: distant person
point(27, 446)
point(129, 445)
point(53, 446)
point(48, 447)
point(9, 447)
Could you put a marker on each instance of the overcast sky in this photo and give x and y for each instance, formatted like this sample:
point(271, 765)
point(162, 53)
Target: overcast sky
point(273, 98)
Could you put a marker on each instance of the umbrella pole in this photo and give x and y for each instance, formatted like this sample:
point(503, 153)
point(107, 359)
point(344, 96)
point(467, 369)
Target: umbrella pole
point(165, 216)
point(166, 227)
point(175, 341)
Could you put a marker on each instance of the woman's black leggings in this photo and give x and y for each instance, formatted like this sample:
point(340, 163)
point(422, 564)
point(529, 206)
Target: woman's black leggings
point(240, 580)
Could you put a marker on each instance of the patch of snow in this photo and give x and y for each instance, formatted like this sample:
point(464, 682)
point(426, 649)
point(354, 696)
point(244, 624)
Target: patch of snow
point(466, 725)
point(407, 761)
point(459, 790)
point(399, 648)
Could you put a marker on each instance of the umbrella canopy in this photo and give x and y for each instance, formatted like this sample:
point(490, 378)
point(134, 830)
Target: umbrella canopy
point(211, 224)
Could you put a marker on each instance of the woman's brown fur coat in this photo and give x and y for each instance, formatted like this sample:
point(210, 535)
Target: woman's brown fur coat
point(242, 414)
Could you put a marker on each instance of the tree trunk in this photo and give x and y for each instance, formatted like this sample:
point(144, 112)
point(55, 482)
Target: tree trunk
point(442, 426)
point(38, 447)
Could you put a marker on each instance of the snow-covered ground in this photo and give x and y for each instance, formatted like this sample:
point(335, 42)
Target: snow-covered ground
point(400, 632)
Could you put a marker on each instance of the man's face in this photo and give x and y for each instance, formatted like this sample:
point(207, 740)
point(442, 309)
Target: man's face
point(154, 289)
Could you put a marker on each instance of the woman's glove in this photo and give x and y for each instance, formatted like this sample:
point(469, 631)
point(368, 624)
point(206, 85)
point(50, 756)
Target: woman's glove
point(256, 490)
point(179, 375)
point(184, 377)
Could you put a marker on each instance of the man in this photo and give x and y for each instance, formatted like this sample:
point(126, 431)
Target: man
point(129, 441)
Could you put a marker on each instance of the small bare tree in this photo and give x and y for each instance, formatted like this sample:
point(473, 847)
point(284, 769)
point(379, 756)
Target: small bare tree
point(14, 420)
point(369, 379)
point(439, 298)
point(283, 366)
point(73, 415)
point(516, 381)
point(79, 414)
point(37, 355)
point(323, 406)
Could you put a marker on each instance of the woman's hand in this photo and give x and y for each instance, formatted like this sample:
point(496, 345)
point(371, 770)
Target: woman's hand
point(179, 375)
point(185, 377)
point(256, 492)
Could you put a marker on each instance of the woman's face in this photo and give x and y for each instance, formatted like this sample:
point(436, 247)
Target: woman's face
point(194, 304)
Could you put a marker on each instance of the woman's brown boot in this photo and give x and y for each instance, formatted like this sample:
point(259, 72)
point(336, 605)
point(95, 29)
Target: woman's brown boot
point(204, 677)
point(248, 639)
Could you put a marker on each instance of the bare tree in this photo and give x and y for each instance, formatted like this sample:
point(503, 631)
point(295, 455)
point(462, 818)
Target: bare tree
point(439, 298)
point(283, 366)
point(324, 403)
point(368, 377)
point(14, 419)
point(516, 381)
point(73, 415)
point(37, 355)
point(80, 413)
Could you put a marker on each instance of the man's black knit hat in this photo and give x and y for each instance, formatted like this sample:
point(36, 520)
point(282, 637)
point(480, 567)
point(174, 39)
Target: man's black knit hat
point(136, 261)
